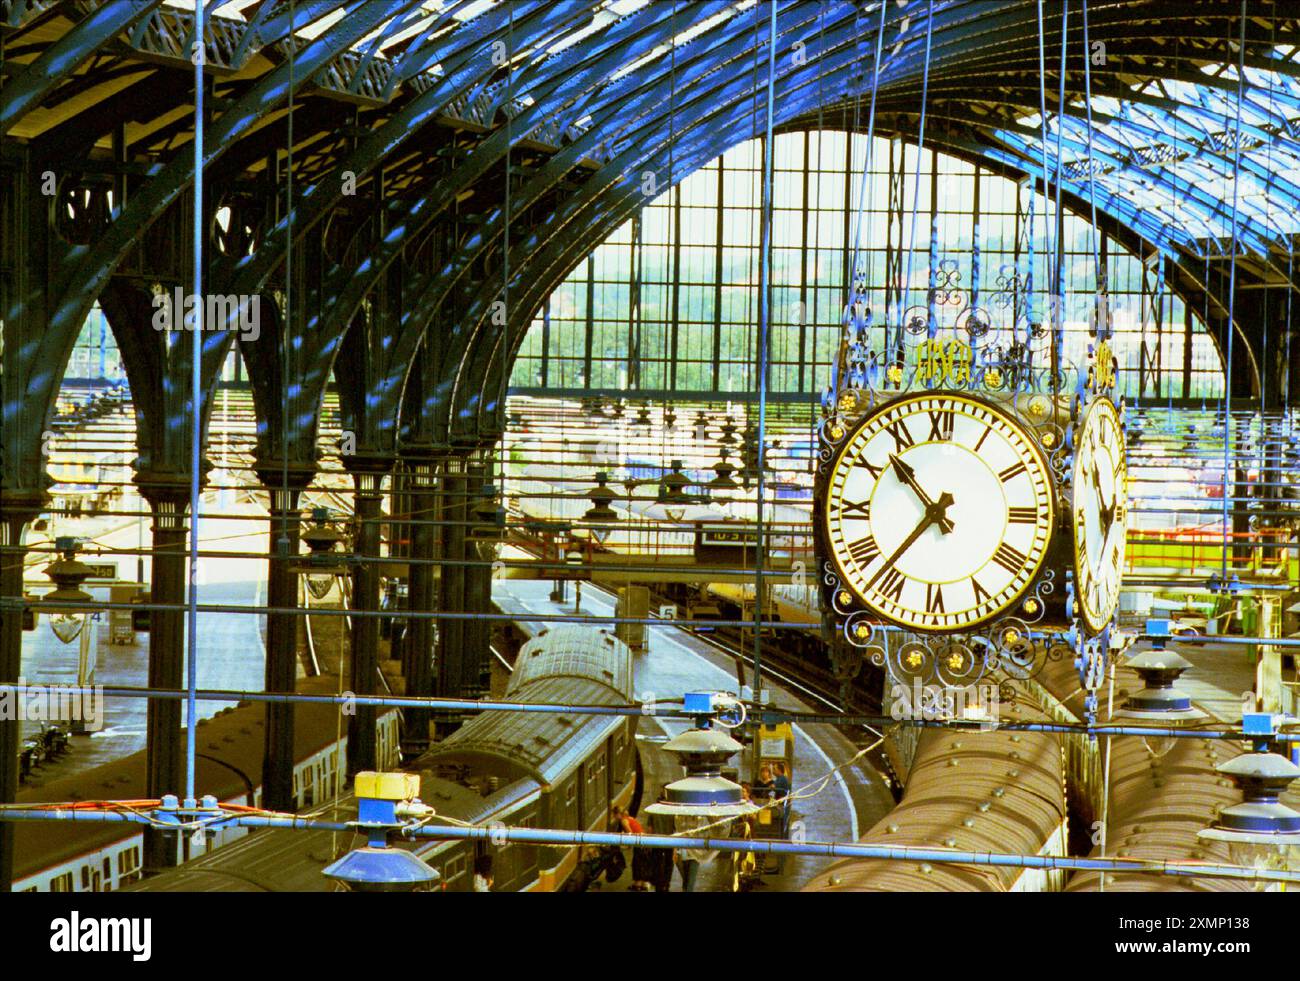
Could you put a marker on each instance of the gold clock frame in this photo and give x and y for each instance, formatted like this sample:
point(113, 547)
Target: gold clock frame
point(824, 510)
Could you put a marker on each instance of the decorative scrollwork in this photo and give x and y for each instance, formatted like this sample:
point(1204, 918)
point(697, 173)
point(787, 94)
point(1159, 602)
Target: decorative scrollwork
point(947, 289)
point(976, 322)
point(957, 665)
point(1034, 606)
point(912, 661)
point(916, 320)
point(861, 632)
point(1011, 286)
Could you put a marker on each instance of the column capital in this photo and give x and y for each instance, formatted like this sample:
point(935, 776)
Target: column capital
point(421, 461)
point(21, 505)
point(368, 469)
point(165, 486)
point(168, 494)
point(275, 476)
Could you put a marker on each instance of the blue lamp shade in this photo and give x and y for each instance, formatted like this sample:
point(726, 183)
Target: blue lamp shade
point(1261, 817)
point(372, 869)
point(1161, 699)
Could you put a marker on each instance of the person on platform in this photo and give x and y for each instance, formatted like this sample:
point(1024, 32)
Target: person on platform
point(623, 822)
point(747, 795)
point(781, 787)
point(661, 859)
point(642, 857)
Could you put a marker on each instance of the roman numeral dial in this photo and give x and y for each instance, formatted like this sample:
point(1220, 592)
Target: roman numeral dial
point(1099, 484)
point(936, 512)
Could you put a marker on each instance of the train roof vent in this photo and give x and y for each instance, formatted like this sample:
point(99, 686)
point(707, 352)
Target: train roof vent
point(541, 740)
point(563, 720)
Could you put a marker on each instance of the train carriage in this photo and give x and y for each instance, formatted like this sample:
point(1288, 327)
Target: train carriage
point(517, 768)
point(103, 857)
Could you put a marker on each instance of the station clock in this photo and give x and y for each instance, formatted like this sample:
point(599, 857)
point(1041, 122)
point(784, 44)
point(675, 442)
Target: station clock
point(1099, 514)
point(937, 511)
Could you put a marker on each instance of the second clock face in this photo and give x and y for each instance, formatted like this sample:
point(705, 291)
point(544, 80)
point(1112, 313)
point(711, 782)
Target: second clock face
point(938, 512)
point(1100, 495)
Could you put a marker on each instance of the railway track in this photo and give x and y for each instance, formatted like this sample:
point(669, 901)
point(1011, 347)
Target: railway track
point(812, 684)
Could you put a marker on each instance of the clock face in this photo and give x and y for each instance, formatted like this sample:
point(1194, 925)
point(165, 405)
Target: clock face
point(1100, 495)
point(938, 512)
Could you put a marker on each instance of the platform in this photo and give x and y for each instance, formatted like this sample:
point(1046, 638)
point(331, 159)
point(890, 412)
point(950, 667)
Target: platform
point(676, 662)
point(232, 648)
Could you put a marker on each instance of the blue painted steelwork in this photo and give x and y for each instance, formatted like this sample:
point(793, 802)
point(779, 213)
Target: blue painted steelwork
point(590, 79)
point(190, 820)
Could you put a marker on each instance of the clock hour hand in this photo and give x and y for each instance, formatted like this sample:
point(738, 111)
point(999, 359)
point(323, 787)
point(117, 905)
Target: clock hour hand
point(1106, 513)
point(934, 514)
point(908, 476)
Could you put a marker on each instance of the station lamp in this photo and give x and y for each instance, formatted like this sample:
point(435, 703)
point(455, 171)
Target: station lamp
point(600, 512)
point(728, 436)
point(703, 795)
point(1160, 701)
point(68, 573)
point(672, 486)
point(385, 801)
point(1261, 831)
point(324, 561)
point(724, 469)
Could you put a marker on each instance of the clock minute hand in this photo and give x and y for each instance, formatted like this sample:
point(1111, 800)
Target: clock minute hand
point(934, 514)
point(1106, 513)
point(908, 476)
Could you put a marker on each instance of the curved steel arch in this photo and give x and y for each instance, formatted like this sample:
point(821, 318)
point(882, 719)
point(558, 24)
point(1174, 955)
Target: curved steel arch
point(966, 38)
point(645, 93)
point(557, 255)
point(85, 271)
point(486, 368)
point(1020, 155)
